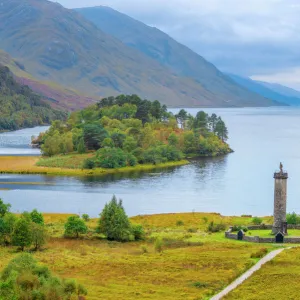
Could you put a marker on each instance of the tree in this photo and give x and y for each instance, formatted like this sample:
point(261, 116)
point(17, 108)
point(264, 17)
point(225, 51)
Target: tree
point(39, 235)
point(75, 226)
point(81, 146)
point(37, 217)
point(181, 117)
point(201, 121)
point(4, 208)
point(212, 120)
point(118, 139)
point(221, 130)
point(7, 225)
point(22, 236)
point(173, 139)
point(93, 135)
point(114, 223)
point(129, 144)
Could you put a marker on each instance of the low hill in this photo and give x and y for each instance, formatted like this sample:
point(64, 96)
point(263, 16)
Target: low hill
point(59, 45)
point(20, 107)
point(264, 91)
point(169, 53)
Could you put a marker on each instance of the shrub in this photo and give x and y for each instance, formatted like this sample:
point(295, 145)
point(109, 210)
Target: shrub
point(161, 154)
point(111, 158)
point(192, 230)
point(37, 217)
point(114, 222)
point(89, 164)
point(144, 249)
point(293, 218)
point(4, 208)
point(215, 227)
point(138, 232)
point(260, 253)
point(199, 284)
point(256, 221)
point(86, 217)
point(179, 223)
point(22, 236)
point(38, 235)
point(23, 278)
point(7, 225)
point(239, 227)
point(158, 245)
point(75, 226)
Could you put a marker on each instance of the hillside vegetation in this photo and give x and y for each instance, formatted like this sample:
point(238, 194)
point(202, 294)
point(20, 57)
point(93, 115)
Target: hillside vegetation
point(20, 107)
point(174, 256)
point(126, 131)
point(67, 49)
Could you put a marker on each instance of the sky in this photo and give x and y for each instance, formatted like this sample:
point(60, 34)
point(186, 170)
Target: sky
point(255, 38)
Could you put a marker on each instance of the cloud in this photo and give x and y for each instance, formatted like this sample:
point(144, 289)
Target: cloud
point(254, 37)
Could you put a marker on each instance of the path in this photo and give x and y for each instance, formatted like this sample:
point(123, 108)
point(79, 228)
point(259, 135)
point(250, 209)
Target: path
point(247, 274)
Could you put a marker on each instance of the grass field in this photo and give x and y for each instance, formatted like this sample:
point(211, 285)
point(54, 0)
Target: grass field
point(68, 165)
point(278, 279)
point(193, 264)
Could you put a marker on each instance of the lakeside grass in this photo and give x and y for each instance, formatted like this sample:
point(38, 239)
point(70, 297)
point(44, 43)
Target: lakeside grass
point(68, 165)
point(193, 265)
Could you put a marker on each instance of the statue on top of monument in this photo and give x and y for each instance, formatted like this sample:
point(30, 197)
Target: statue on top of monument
point(281, 168)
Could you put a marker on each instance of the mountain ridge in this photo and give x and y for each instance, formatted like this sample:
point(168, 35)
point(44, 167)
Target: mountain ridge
point(59, 45)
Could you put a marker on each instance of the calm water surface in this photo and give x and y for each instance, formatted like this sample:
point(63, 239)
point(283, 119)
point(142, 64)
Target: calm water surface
point(240, 183)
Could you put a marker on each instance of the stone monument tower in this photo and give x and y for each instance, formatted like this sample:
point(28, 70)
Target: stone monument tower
point(280, 224)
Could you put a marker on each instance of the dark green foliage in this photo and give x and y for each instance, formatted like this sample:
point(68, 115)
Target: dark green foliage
point(181, 117)
point(215, 227)
point(138, 232)
point(173, 139)
point(75, 226)
point(85, 217)
point(24, 278)
point(81, 146)
point(89, 163)
point(221, 130)
point(22, 236)
point(179, 223)
point(118, 139)
point(93, 135)
point(39, 235)
point(20, 107)
point(112, 158)
point(114, 223)
point(161, 154)
point(37, 217)
point(7, 225)
point(237, 228)
point(256, 221)
point(4, 208)
point(293, 218)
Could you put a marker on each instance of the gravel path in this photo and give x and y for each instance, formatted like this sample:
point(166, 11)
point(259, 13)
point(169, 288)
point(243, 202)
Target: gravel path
point(247, 274)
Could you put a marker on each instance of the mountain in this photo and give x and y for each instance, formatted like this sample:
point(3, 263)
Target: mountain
point(281, 89)
point(20, 107)
point(59, 45)
point(264, 91)
point(169, 53)
point(57, 96)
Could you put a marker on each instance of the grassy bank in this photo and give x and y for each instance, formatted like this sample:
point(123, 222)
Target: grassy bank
point(68, 165)
point(193, 264)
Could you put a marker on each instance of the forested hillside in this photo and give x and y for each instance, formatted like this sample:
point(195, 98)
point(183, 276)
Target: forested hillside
point(20, 107)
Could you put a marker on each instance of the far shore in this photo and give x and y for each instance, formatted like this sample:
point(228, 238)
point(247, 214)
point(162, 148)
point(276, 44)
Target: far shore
point(27, 165)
